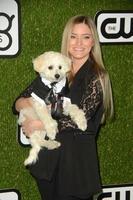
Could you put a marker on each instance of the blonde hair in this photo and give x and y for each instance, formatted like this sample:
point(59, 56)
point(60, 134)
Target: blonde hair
point(96, 57)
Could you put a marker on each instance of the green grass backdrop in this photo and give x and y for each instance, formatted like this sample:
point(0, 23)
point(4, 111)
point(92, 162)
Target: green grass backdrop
point(42, 23)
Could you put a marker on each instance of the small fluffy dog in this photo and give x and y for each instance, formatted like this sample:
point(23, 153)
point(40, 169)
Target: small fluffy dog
point(50, 88)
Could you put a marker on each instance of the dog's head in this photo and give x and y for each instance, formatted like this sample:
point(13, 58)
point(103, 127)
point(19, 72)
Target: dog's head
point(52, 65)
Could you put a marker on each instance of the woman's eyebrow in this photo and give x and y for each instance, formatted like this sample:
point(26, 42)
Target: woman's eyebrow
point(81, 34)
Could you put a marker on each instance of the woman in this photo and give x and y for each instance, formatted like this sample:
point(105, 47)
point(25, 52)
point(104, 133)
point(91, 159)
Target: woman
point(71, 172)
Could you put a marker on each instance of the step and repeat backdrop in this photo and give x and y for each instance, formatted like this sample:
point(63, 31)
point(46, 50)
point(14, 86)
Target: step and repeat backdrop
point(30, 27)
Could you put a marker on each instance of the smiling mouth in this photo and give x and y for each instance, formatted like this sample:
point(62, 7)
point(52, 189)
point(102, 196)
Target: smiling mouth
point(78, 49)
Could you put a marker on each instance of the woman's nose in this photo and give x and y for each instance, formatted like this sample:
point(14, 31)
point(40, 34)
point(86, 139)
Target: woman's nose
point(79, 41)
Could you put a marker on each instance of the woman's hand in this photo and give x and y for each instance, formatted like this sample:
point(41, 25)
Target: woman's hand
point(23, 103)
point(30, 125)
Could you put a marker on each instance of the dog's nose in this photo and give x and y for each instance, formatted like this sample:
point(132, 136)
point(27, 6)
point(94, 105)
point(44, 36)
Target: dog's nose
point(57, 76)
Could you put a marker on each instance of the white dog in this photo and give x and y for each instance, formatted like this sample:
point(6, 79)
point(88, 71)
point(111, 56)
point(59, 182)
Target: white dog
point(52, 68)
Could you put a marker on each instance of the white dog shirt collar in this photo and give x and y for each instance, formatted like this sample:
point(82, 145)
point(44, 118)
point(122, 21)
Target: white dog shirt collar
point(57, 87)
point(46, 82)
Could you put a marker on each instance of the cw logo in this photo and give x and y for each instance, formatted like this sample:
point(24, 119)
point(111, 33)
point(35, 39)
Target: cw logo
point(9, 28)
point(115, 26)
point(121, 24)
point(118, 192)
point(114, 196)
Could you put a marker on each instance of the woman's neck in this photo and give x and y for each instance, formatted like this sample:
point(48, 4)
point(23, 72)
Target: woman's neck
point(77, 64)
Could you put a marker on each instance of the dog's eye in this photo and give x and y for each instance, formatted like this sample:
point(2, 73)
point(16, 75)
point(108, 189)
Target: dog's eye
point(60, 67)
point(50, 67)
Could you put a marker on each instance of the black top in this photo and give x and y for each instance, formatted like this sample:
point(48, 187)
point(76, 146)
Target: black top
point(75, 161)
point(86, 92)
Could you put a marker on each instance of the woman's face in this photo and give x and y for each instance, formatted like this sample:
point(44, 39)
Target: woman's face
point(80, 42)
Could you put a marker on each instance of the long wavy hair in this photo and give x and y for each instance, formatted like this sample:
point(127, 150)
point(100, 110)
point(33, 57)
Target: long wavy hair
point(95, 56)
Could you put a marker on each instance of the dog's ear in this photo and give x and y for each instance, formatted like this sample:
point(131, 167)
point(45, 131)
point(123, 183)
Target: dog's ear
point(37, 63)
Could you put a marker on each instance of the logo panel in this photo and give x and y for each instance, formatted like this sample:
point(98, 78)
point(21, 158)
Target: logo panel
point(116, 192)
point(9, 28)
point(10, 194)
point(22, 139)
point(115, 26)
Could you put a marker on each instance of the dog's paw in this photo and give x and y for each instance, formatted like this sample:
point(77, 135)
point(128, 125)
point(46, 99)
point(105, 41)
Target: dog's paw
point(51, 129)
point(33, 157)
point(30, 161)
point(27, 162)
point(52, 144)
point(82, 124)
point(81, 121)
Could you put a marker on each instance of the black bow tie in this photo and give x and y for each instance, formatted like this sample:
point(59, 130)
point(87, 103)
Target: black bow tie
point(56, 102)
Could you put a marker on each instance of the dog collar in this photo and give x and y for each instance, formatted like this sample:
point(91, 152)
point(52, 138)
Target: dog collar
point(57, 86)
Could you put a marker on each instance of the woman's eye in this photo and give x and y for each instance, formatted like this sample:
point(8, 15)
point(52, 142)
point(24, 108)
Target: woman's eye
point(72, 36)
point(50, 67)
point(60, 67)
point(86, 37)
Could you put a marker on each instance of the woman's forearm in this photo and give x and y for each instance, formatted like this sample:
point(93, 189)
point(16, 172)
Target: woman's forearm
point(29, 125)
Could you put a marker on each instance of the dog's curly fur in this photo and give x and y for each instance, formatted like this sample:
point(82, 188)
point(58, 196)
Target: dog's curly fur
point(48, 65)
